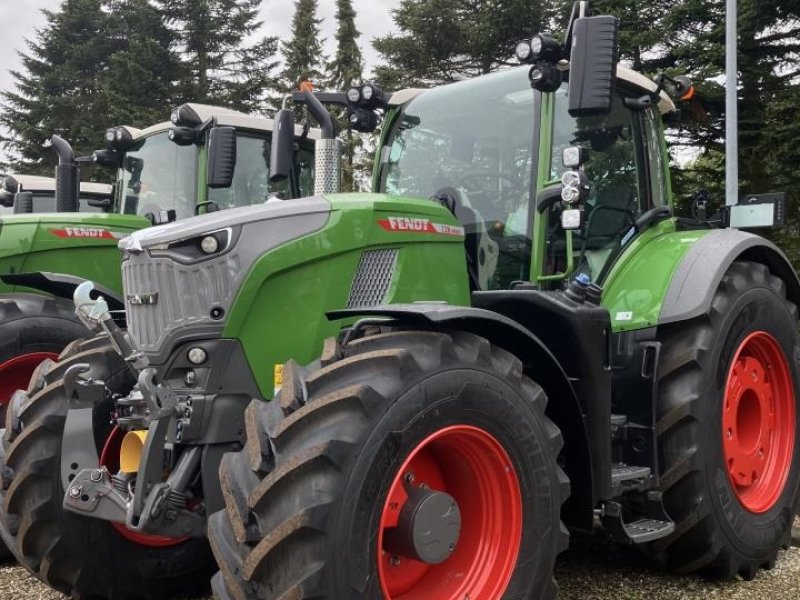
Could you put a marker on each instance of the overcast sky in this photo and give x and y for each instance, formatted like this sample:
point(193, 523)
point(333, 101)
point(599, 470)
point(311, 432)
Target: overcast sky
point(21, 18)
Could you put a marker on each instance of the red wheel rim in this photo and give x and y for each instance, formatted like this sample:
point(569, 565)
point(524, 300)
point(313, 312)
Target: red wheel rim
point(15, 374)
point(109, 458)
point(758, 422)
point(470, 465)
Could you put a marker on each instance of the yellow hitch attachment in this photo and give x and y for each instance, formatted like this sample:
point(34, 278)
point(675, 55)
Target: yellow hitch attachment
point(130, 453)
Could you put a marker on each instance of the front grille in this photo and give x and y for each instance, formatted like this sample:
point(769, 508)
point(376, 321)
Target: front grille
point(372, 279)
point(186, 294)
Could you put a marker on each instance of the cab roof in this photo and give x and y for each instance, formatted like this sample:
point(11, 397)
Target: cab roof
point(624, 74)
point(224, 117)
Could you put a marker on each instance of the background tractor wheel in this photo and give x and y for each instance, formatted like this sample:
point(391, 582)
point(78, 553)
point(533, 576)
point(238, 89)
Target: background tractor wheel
point(419, 465)
point(728, 428)
point(32, 328)
point(81, 556)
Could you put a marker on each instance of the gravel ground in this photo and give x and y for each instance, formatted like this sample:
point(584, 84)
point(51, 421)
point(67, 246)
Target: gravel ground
point(593, 569)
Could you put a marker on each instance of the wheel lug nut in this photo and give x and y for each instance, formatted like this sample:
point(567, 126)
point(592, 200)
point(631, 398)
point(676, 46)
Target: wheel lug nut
point(395, 561)
point(409, 477)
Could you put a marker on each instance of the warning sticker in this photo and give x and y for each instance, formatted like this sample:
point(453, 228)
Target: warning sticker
point(278, 377)
point(419, 225)
point(97, 233)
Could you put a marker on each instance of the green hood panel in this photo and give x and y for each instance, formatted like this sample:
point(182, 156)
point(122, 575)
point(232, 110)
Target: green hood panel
point(78, 244)
point(281, 303)
point(636, 286)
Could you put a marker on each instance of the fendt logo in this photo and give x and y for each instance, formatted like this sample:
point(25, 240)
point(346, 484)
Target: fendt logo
point(419, 225)
point(97, 233)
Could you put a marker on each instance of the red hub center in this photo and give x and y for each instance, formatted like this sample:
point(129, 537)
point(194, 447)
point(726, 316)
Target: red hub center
point(758, 422)
point(15, 374)
point(468, 465)
point(109, 458)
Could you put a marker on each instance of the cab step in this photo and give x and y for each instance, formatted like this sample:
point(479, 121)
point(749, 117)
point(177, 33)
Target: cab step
point(651, 523)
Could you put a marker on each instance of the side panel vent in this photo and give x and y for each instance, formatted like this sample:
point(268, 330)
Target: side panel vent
point(373, 277)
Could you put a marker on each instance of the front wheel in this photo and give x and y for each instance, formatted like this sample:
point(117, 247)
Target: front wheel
point(78, 555)
point(418, 465)
point(728, 428)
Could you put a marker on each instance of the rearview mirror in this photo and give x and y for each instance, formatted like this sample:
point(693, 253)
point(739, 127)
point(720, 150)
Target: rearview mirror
point(281, 153)
point(593, 65)
point(221, 157)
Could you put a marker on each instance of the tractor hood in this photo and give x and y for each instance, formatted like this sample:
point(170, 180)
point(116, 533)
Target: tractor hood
point(22, 233)
point(160, 237)
point(312, 209)
point(78, 244)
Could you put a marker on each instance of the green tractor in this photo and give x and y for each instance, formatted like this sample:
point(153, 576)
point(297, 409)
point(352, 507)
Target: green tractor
point(206, 159)
point(527, 347)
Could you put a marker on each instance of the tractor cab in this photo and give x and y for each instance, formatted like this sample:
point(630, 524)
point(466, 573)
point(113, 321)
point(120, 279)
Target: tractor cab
point(221, 158)
point(475, 145)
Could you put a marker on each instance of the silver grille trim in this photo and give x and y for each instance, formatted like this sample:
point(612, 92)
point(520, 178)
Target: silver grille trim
point(186, 293)
point(373, 278)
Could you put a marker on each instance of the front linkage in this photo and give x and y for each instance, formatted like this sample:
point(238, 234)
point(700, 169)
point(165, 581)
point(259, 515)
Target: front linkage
point(159, 507)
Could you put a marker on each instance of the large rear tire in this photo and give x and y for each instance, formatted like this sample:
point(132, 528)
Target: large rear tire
point(728, 428)
point(334, 467)
point(33, 328)
point(77, 555)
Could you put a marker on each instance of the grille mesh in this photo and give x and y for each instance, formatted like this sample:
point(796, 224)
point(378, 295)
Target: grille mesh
point(373, 277)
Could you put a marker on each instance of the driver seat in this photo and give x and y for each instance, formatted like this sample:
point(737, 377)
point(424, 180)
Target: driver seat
point(482, 252)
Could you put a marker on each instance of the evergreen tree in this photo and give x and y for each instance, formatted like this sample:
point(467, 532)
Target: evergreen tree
point(220, 66)
point(303, 52)
point(85, 69)
point(347, 65)
point(446, 40)
point(346, 69)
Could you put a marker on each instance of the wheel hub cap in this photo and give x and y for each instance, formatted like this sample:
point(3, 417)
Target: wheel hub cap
point(428, 527)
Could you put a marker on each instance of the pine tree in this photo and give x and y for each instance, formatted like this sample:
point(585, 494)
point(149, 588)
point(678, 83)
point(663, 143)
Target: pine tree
point(87, 68)
point(303, 52)
point(347, 65)
point(220, 66)
point(346, 69)
point(446, 40)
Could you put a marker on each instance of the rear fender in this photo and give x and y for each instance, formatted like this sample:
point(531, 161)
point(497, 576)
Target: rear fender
point(699, 274)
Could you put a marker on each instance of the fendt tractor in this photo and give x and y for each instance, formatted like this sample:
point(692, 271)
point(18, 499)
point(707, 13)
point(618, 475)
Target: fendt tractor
point(207, 158)
point(531, 341)
point(93, 197)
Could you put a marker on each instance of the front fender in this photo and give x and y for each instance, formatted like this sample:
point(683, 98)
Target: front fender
point(539, 363)
point(60, 285)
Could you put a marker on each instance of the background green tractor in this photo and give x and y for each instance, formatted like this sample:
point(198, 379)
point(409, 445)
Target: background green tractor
point(208, 158)
point(93, 197)
point(521, 335)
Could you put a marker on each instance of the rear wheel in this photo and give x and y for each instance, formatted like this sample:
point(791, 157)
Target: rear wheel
point(77, 555)
point(418, 465)
point(33, 328)
point(728, 428)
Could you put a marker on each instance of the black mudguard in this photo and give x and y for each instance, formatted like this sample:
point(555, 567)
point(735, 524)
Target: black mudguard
point(60, 285)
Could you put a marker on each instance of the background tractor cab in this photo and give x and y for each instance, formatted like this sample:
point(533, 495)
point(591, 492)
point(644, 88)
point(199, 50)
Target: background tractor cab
point(93, 197)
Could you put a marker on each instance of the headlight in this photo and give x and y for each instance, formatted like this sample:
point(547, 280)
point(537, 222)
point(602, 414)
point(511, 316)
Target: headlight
point(197, 356)
point(209, 244)
point(353, 95)
point(523, 51)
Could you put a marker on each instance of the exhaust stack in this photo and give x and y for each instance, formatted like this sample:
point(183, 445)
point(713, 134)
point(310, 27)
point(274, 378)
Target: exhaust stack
point(67, 176)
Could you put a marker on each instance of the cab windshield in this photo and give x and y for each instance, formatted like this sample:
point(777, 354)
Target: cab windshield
point(157, 175)
point(472, 141)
